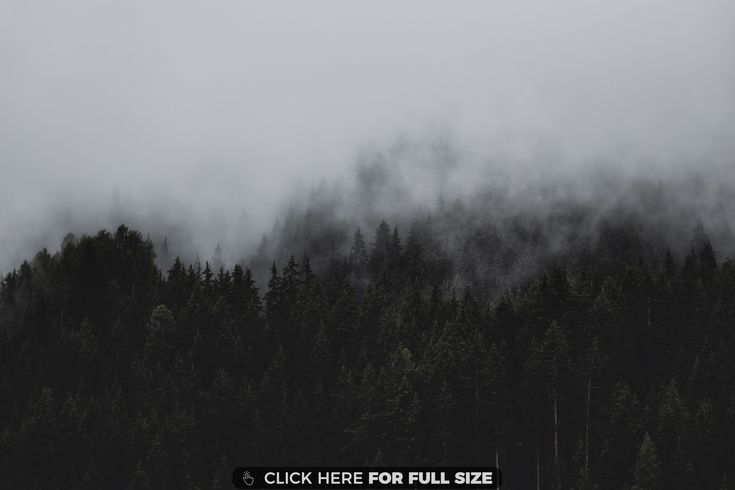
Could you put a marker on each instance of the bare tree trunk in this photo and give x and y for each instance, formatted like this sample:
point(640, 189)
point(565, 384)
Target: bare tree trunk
point(556, 445)
point(587, 418)
point(538, 467)
point(477, 411)
point(587, 426)
point(216, 435)
point(497, 458)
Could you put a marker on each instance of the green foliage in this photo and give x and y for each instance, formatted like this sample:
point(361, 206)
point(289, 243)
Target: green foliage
point(647, 469)
point(616, 368)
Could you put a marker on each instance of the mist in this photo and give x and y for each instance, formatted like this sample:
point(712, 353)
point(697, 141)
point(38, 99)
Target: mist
point(205, 123)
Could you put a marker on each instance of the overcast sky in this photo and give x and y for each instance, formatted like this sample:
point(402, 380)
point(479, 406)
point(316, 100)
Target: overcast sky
point(202, 109)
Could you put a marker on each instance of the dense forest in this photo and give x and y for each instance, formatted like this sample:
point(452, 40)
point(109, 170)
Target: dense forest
point(608, 364)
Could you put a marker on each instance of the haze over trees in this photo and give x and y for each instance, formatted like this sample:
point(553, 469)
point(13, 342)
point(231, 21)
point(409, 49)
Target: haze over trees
point(530, 265)
point(573, 349)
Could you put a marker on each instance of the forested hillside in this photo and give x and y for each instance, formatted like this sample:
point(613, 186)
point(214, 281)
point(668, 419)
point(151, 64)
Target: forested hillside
point(608, 365)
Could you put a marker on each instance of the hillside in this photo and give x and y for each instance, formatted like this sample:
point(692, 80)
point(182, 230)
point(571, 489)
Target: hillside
point(115, 374)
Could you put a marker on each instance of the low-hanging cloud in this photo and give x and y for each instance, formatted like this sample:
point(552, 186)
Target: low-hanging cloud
point(199, 119)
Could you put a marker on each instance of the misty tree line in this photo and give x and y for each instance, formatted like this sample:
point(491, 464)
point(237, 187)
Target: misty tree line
point(610, 368)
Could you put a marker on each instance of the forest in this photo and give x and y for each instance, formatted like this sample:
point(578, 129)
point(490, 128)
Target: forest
point(419, 234)
point(605, 364)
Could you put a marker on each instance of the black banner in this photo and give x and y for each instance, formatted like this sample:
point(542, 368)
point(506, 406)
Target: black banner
point(340, 477)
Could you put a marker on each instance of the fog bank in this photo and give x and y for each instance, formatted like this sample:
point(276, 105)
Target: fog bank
point(202, 122)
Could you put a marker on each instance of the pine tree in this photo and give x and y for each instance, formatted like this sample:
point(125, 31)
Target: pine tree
point(705, 443)
point(621, 431)
point(164, 255)
point(358, 252)
point(548, 367)
point(673, 423)
point(217, 262)
point(647, 469)
point(381, 252)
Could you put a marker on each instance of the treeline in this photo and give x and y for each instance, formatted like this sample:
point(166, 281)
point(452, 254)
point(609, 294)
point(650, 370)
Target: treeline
point(606, 370)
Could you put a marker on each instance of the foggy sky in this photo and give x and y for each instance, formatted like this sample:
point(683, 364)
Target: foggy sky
point(207, 114)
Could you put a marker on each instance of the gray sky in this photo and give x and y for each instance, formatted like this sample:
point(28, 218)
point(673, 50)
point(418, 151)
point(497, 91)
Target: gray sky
point(209, 112)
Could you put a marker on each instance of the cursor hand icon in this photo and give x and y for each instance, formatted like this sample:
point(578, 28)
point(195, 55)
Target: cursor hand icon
point(248, 478)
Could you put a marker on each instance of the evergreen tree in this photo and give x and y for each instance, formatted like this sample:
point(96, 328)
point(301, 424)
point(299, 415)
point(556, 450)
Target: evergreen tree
point(647, 470)
point(358, 252)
